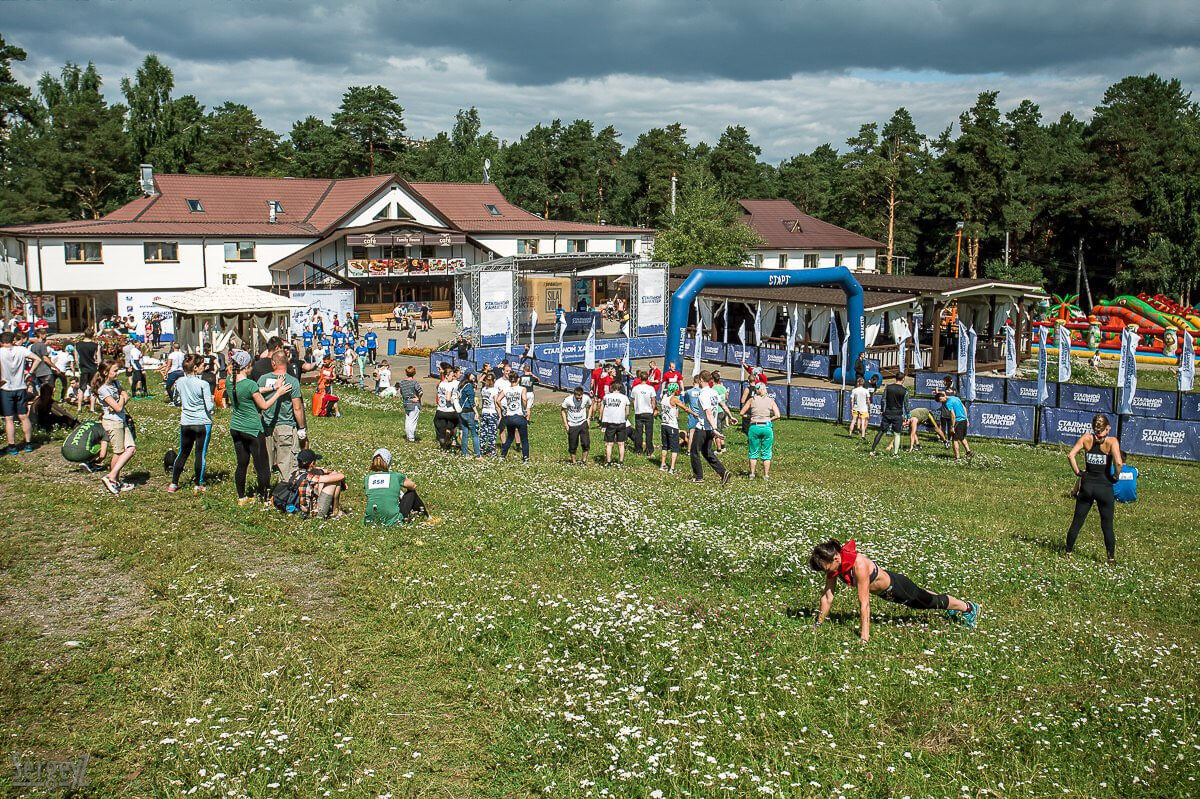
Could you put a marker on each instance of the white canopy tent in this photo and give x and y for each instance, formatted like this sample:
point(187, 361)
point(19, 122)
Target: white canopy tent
point(221, 315)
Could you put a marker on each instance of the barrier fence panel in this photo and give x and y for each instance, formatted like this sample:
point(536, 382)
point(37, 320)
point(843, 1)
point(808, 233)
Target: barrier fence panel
point(546, 373)
point(1097, 399)
point(713, 351)
point(737, 354)
point(991, 420)
point(876, 407)
point(929, 382)
point(1189, 407)
point(1165, 438)
point(773, 358)
point(1159, 404)
point(1064, 425)
point(989, 389)
point(814, 403)
point(778, 392)
point(811, 364)
point(572, 376)
point(1025, 392)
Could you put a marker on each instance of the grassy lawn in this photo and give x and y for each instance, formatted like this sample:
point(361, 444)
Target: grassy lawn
point(576, 631)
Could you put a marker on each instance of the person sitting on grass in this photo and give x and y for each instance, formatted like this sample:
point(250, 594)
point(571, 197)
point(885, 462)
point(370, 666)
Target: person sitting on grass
point(843, 562)
point(320, 490)
point(86, 445)
point(391, 496)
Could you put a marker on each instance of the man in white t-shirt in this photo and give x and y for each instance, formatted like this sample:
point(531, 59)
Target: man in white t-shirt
point(860, 407)
point(133, 365)
point(575, 411)
point(614, 418)
point(174, 370)
point(642, 395)
point(704, 435)
point(445, 418)
point(14, 398)
point(515, 409)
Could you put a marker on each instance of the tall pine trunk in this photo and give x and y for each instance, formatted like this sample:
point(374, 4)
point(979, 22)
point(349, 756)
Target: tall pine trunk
point(891, 233)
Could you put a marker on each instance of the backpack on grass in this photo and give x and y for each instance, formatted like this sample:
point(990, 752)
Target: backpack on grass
point(285, 496)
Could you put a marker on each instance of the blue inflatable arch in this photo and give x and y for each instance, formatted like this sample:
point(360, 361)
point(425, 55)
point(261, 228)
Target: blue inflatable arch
point(700, 279)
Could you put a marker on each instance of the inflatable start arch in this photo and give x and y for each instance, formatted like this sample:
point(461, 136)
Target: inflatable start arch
point(700, 279)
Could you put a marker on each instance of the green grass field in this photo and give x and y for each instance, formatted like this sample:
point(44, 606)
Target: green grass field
point(576, 631)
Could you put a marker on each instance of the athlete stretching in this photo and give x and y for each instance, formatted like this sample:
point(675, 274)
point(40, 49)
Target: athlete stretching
point(843, 563)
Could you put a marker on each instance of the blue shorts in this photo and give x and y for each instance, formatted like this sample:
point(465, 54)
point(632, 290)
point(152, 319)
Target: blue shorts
point(13, 403)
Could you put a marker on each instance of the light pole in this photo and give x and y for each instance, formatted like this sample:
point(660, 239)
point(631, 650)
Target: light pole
point(958, 247)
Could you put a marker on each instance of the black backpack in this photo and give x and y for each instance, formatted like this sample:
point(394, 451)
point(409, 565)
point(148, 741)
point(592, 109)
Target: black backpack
point(169, 461)
point(285, 496)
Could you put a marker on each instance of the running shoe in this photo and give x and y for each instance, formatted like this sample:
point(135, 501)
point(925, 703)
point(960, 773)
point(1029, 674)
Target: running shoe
point(244, 501)
point(111, 485)
point(28, 448)
point(696, 480)
point(172, 488)
point(725, 478)
point(127, 487)
point(433, 520)
point(971, 616)
point(13, 450)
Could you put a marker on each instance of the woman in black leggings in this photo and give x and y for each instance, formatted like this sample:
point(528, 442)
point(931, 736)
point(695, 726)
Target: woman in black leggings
point(843, 562)
point(1102, 468)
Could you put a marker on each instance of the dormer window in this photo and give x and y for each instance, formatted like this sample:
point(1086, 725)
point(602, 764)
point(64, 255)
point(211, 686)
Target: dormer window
point(493, 210)
point(195, 207)
point(277, 206)
point(792, 225)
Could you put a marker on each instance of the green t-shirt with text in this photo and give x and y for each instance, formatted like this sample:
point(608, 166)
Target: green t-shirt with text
point(281, 414)
point(383, 491)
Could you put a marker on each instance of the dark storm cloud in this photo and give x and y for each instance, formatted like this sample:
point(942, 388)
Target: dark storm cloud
point(542, 41)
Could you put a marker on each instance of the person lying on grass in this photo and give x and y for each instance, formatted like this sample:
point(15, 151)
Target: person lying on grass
point(843, 562)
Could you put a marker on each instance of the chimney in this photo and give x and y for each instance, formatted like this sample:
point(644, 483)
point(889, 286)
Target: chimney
point(146, 179)
point(271, 209)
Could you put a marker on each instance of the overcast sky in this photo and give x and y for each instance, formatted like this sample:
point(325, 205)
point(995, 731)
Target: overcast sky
point(796, 73)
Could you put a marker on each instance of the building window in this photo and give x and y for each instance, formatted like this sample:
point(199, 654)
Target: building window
point(239, 251)
point(83, 252)
point(428, 251)
point(358, 253)
point(276, 206)
point(161, 251)
point(527, 246)
point(860, 261)
point(758, 259)
point(493, 210)
point(195, 207)
point(625, 246)
point(228, 279)
point(783, 260)
point(812, 261)
point(576, 245)
point(839, 260)
point(385, 212)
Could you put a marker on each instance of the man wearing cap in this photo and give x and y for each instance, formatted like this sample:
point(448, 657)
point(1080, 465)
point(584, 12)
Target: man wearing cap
point(320, 490)
point(391, 496)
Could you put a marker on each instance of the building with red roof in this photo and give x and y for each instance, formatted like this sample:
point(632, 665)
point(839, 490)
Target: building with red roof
point(794, 240)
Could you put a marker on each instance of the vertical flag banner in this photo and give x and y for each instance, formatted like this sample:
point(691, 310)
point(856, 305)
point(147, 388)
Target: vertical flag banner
point(835, 343)
point(845, 355)
point(790, 344)
point(918, 358)
point(742, 336)
point(758, 324)
point(589, 346)
point(901, 334)
point(962, 348)
point(532, 326)
point(969, 382)
point(562, 329)
point(1129, 342)
point(1062, 339)
point(1121, 359)
point(1187, 363)
point(1042, 389)
point(1010, 351)
point(724, 322)
point(699, 338)
point(508, 334)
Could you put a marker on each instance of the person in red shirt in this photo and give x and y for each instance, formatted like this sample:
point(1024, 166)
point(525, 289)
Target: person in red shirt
point(672, 375)
point(654, 377)
point(755, 374)
point(23, 326)
point(597, 374)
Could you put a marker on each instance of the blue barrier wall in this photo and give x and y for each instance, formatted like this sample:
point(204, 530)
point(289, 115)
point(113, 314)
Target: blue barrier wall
point(876, 407)
point(736, 353)
point(1165, 438)
point(928, 382)
point(1024, 392)
point(1189, 406)
point(812, 365)
point(546, 373)
point(989, 389)
point(814, 403)
point(1064, 425)
point(607, 349)
point(779, 392)
point(773, 358)
point(712, 351)
point(991, 420)
point(1159, 404)
point(571, 376)
point(1097, 399)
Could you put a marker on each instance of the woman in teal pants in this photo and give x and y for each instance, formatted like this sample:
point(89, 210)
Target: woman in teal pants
point(762, 412)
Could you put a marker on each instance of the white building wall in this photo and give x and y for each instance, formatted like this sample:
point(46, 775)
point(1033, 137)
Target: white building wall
point(12, 265)
point(409, 204)
point(795, 258)
point(507, 245)
point(248, 273)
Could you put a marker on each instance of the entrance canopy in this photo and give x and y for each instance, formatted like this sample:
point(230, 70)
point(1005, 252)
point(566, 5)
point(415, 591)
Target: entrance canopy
point(219, 316)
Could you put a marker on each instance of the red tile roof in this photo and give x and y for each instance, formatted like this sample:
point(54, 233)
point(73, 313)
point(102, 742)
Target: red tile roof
point(464, 205)
point(167, 230)
point(784, 227)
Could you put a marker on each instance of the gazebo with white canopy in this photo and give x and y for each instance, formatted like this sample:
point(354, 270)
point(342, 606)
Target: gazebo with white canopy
point(220, 315)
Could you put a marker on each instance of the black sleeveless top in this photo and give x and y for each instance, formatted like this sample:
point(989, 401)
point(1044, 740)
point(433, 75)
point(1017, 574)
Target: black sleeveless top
point(1097, 462)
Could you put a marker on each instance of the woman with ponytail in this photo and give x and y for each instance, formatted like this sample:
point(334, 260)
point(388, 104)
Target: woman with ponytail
point(113, 399)
point(842, 562)
point(1094, 485)
point(246, 427)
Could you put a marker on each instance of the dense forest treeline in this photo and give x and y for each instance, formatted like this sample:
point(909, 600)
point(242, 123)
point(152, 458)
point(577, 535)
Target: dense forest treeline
point(1112, 203)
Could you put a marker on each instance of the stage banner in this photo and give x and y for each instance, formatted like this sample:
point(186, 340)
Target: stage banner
point(607, 349)
point(1165, 438)
point(1189, 407)
point(811, 364)
point(876, 407)
point(1025, 392)
point(546, 373)
point(1159, 404)
point(990, 420)
point(929, 382)
point(652, 302)
point(1097, 399)
point(1064, 426)
point(577, 323)
point(572, 376)
point(989, 389)
point(495, 306)
point(140, 305)
point(773, 359)
point(814, 403)
point(738, 354)
point(777, 392)
point(712, 351)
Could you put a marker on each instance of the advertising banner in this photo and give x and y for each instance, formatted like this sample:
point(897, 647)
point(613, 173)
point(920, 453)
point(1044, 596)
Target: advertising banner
point(651, 302)
point(713, 351)
point(811, 364)
point(325, 303)
point(140, 304)
point(1159, 404)
point(577, 323)
point(876, 407)
point(607, 349)
point(1189, 407)
point(1165, 438)
point(1097, 399)
point(990, 420)
point(495, 306)
point(1064, 426)
point(572, 376)
point(546, 373)
point(814, 403)
point(777, 392)
point(737, 354)
point(1025, 392)
point(989, 389)
point(774, 359)
point(544, 295)
point(929, 382)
